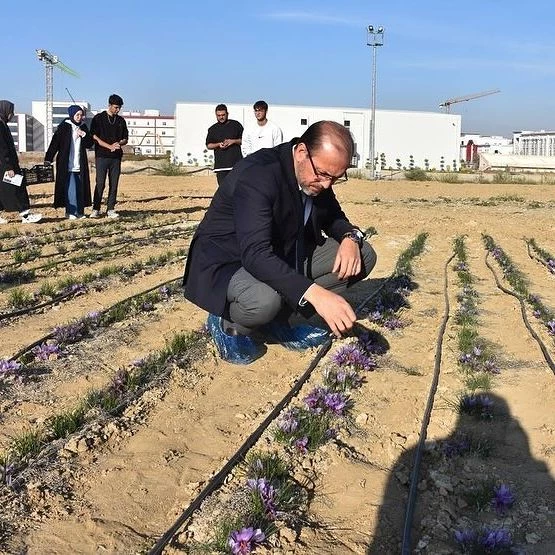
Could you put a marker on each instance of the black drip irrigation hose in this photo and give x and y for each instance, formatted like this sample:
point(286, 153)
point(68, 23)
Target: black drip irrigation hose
point(29, 309)
point(541, 344)
point(239, 455)
point(537, 258)
point(87, 237)
point(160, 172)
point(411, 500)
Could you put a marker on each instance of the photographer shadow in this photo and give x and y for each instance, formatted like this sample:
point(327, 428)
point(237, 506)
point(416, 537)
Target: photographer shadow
point(481, 454)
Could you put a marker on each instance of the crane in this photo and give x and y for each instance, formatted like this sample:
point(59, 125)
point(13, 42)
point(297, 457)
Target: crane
point(51, 60)
point(446, 104)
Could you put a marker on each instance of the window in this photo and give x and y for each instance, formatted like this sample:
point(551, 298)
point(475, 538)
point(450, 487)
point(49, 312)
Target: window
point(163, 132)
point(347, 123)
point(304, 121)
point(163, 123)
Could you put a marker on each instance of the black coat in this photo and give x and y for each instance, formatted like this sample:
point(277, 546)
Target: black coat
point(60, 145)
point(253, 221)
point(12, 197)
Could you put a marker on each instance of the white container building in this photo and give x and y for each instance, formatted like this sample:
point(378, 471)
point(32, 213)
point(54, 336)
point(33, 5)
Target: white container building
point(402, 138)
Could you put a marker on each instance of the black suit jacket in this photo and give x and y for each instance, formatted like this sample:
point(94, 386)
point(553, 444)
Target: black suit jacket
point(253, 221)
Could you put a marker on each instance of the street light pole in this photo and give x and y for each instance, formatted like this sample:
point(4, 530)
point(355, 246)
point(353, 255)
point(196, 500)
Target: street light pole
point(375, 39)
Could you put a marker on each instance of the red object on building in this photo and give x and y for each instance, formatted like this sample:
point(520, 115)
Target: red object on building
point(471, 152)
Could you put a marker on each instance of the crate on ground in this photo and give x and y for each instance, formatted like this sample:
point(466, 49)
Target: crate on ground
point(39, 173)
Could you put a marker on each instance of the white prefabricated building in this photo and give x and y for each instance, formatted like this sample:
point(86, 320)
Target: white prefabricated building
point(402, 138)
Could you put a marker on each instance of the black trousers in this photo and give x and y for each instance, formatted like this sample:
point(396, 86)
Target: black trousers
point(221, 176)
point(252, 303)
point(112, 168)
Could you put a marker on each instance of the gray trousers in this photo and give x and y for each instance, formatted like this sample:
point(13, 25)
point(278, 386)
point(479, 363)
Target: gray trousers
point(253, 303)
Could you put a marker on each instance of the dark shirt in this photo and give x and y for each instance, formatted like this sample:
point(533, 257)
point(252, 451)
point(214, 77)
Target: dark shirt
point(225, 158)
point(111, 129)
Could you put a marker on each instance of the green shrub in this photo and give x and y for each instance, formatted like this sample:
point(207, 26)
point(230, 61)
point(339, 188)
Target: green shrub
point(416, 174)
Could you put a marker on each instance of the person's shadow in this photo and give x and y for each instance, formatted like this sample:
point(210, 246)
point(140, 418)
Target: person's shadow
point(458, 479)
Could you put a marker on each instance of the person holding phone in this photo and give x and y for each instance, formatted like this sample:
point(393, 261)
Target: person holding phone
point(13, 198)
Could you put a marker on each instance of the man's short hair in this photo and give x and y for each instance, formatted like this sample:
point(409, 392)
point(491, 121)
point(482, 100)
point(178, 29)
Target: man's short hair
point(260, 105)
point(116, 100)
point(315, 136)
point(221, 108)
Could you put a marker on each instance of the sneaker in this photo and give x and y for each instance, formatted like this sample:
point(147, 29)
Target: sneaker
point(237, 349)
point(297, 338)
point(95, 214)
point(112, 214)
point(71, 217)
point(80, 216)
point(31, 218)
point(3, 221)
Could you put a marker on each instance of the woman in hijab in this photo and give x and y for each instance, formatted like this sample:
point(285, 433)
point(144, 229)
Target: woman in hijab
point(13, 198)
point(70, 142)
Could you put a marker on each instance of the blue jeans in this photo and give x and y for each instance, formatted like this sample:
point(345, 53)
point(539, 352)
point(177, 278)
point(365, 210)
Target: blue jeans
point(74, 195)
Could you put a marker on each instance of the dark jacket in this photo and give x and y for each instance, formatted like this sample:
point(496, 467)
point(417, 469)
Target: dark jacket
point(12, 197)
point(253, 221)
point(60, 145)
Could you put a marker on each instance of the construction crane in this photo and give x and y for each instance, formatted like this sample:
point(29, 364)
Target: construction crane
point(446, 104)
point(51, 60)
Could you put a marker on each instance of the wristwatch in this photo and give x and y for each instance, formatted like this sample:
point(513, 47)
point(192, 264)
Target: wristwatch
point(355, 235)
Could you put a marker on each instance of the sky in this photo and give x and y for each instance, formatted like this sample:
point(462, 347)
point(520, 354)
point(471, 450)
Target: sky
point(309, 52)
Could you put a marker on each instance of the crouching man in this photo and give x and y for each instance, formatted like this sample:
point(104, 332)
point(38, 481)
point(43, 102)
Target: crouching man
point(275, 253)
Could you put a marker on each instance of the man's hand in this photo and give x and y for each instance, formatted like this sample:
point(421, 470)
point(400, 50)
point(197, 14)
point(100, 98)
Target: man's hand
point(333, 308)
point(347, 262)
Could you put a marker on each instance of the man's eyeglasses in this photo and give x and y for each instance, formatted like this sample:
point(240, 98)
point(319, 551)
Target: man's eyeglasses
point(323, 176)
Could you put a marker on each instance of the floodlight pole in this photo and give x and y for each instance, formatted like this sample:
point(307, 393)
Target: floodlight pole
point(375, 39)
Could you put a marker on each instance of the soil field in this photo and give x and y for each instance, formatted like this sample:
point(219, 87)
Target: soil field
point(114, 477)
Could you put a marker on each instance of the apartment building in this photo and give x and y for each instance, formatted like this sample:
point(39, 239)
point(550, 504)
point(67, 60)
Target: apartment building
point(150, 134)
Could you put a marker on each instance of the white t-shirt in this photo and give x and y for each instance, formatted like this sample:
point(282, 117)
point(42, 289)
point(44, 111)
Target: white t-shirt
point(260, 136)
point(74, 164)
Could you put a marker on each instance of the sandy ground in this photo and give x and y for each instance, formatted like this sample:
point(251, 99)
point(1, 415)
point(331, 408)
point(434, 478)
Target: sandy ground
point(126, 491)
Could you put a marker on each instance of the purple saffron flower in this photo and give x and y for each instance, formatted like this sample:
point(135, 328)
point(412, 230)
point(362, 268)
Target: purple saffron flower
point(551, 265)
point(242, 542)
point(315, 399)
point(336, 402)
point(92, 319)
point(369, 346)
point(267, 494)
point(47, 351)
point(456, 446)
point(120, 381)
point(301, 445)
point(74, 288)
point(289, 422)
point(6, 473)
point(353, 355)
point(551, 327)
point(503, 499)
point(465, 538)
point(164, 291)
point(494, 539)
point(9, 367)
point(71, 333)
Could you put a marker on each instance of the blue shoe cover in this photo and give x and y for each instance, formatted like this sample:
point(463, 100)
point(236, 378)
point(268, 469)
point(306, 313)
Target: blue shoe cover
point(296, 338)
point(237, 349)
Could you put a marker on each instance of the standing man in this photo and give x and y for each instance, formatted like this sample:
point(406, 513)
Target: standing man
point(109, 132)
point(264, 134)
point(224, 138)
point(259, 260)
